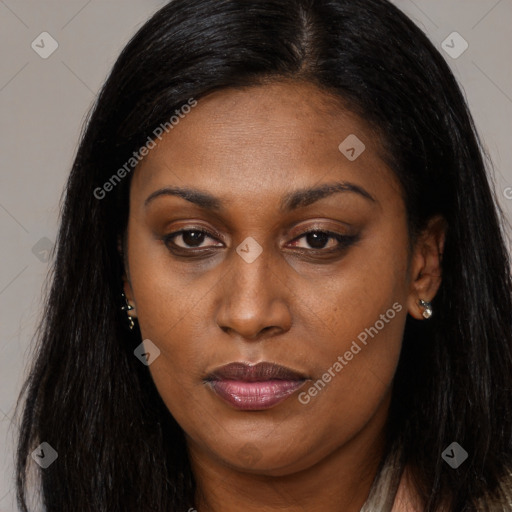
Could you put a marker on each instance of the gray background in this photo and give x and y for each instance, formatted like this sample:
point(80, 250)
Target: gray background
point(43, 103)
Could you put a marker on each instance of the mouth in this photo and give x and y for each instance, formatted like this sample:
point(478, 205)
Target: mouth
point(254, 387)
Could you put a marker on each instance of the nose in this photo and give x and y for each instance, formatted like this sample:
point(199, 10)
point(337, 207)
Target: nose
point(253, 299)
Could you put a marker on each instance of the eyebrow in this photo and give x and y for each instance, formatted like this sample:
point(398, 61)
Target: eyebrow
point(291, 201)
point(306, 196)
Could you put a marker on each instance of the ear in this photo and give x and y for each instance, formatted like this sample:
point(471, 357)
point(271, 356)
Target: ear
point(425, 268)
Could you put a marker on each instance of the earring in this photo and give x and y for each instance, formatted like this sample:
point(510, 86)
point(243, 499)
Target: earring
point(428, 308)
point(128, 307)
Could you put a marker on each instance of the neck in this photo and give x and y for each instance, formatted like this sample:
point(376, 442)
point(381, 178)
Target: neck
point(341, 480)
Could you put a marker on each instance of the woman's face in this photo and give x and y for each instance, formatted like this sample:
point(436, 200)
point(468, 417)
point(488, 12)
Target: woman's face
point(263, 166)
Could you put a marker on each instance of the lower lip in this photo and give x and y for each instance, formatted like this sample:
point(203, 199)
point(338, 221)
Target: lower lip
point(255, 396)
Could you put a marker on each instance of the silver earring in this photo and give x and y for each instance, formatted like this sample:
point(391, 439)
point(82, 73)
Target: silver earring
point(128, 307)
point(428, 308)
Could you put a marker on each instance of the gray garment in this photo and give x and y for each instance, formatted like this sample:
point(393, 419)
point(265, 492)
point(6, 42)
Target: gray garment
point(385, 486)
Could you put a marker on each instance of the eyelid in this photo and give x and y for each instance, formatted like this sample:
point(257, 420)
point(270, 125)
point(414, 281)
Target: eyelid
point(325, 225)
point(328, 231)
point(211, 232)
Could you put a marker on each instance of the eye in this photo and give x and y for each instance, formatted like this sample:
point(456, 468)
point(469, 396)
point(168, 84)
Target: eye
point(189, 238)
point(318, 239)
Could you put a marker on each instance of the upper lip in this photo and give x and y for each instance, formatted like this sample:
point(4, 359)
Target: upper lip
point(259, 372)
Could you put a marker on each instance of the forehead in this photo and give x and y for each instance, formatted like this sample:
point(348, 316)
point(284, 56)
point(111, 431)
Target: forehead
point(263, 137)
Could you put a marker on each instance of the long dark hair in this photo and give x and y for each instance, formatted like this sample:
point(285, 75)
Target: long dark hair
point(88, 396)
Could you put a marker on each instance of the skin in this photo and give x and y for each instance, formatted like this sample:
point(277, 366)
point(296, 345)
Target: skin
point(249, 148)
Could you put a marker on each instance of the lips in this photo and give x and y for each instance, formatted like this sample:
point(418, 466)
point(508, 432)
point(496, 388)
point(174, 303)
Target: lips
point(254, 387)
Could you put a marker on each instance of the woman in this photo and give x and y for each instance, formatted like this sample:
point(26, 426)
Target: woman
point(281, 280)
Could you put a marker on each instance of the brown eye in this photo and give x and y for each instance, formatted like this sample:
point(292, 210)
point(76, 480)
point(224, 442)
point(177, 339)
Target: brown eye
point(317, 240)
point(189, 238)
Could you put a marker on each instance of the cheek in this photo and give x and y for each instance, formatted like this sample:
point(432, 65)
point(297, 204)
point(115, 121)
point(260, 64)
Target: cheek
point(359, 317)
point(365, 285)
point(169, 305)
point(170, 316)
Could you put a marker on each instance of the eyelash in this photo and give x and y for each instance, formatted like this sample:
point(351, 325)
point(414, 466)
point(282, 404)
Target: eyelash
point(344, 241)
